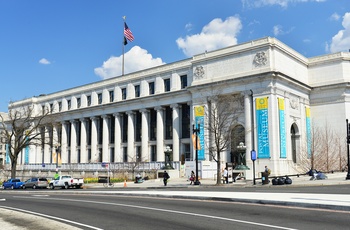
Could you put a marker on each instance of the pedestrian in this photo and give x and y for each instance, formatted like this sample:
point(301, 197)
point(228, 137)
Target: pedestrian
point(225, 176)
point(165, 178)
point(193, 175)
point(56, 176)
point(267, 170)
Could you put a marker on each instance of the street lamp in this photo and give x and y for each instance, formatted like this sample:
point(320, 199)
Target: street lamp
point(241, 148)
point(57, 151)
point(196, 131)
point(348, 142)
point(167, 153)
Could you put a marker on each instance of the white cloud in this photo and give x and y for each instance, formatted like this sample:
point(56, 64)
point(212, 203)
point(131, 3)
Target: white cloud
point(282, 3)
point(341, 41)
point(189, 26)
point(277, 30)
point(135, 59)
point(44, 61)
point(217, 34)
point(335, 17)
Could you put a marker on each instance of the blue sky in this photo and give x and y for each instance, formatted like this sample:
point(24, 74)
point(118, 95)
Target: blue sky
point(48, 46)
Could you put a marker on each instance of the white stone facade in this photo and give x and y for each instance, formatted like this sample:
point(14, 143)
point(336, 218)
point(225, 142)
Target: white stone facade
point(135, 116)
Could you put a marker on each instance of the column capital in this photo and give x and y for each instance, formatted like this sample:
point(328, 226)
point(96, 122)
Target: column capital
point(130, 112)
point(159, 108)
point(116, 114)
point(144, 110)
point(175, 106)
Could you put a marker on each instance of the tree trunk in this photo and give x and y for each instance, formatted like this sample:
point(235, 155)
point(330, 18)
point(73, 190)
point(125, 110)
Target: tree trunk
point(13, 169)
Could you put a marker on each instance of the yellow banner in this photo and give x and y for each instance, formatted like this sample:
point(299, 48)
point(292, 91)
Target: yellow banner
point(261, 103)
point(199, 111)
point(281, 103)
point(307, 110)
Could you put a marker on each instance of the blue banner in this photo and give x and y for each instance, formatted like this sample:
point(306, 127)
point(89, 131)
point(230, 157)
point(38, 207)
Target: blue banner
point(26, 154)
point(262, 122)
point(7, 161)
point(308, 131)
point(199, 120)
point(283, 145)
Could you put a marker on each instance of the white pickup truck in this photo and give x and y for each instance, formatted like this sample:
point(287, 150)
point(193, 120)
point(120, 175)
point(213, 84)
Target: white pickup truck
point(66, 181)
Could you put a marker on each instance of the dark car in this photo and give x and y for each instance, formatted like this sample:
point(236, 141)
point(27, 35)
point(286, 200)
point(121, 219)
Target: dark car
point(35, 182)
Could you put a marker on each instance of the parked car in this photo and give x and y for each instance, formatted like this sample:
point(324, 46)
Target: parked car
point(35, 182)
point(12, 183)
point(66, 181)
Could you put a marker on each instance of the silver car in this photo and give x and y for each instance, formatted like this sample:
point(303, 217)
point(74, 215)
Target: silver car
point(35, 182)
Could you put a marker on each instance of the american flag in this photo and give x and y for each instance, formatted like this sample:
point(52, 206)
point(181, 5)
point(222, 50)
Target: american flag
point(127, 33)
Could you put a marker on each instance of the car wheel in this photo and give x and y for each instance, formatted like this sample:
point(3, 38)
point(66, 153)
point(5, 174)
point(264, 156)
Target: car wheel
point(23, 187)
point(34, 186)
point(66, 186)
point(51, 186)
point(12, 187)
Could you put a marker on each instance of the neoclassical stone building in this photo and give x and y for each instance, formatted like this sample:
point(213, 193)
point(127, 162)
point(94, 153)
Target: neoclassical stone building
point(136, 116)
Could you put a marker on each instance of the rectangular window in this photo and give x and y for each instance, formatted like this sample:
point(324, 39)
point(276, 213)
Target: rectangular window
point(88, 98)
point(111, 96)
point(166, 85)
point(69, 104)
point(168, 123)
point(151, 88)
point(185, 121)
point(153, 125)
point(183, 80)
point(137, 90)
point(123, 93)
point(78, 102)
point(51, 108)
point(153, 153)
point(138, 126)
point(99, 97)
point(59, 106)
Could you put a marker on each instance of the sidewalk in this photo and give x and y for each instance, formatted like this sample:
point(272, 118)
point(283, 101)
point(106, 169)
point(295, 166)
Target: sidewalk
point(155, 188)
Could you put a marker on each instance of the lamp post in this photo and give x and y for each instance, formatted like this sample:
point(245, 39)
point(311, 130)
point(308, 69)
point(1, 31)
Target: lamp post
point(253, 152)
point(57, 151)
point(196, 131)
point(347, 145)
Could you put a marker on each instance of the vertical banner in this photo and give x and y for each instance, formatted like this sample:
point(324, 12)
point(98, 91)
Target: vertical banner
point(282, 123)
point(262, 127)
point(308, 131)
point(26, 154)
point(7, 159)
point(199, 120)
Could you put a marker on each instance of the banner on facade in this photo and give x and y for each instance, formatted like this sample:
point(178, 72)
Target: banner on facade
point(199, 120)
point(262, 123)
point(282, 123)
point(308, 131)
point(7, 159)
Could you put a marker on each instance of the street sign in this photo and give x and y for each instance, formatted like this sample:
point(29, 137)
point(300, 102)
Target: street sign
point(253, 155)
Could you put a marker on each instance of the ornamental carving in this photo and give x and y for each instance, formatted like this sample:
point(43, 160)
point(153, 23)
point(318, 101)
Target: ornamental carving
point(199, 72)
point(260, 59)
point(293, 102)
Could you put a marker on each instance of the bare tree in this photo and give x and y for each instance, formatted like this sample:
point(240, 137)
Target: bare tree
point(21, 129)
point(223, 114)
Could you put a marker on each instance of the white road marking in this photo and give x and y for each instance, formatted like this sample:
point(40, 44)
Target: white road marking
point(172, 211)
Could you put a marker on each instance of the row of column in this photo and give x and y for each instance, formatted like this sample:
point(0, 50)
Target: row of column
point(106, 146)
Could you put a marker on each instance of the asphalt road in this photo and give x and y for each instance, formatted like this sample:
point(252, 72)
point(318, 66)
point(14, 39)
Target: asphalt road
point(88, 211)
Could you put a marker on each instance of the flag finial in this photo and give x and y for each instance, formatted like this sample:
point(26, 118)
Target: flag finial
point(124, 17)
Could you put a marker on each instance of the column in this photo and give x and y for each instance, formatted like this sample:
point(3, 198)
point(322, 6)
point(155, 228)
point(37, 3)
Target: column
point(176, 129)
point(131, 136)
point(64, 157)
point(94, 154)
point(73, 142)
point(47, 152)
point(83, 153)
point(160, 134)
point(105, 135)
point(55, 144)
point(145, 156)
point(249, 130)
point(118, 157)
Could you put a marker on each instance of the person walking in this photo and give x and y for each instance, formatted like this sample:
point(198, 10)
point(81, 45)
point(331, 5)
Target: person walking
point(193, 175)
point(165, 178)
point(225, 176)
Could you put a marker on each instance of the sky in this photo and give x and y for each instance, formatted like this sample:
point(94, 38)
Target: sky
point(48, 46)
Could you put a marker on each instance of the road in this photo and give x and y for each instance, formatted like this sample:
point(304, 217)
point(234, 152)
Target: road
point(91, 211)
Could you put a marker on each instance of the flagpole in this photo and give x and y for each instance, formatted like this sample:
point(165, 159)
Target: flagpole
point(124, 17)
